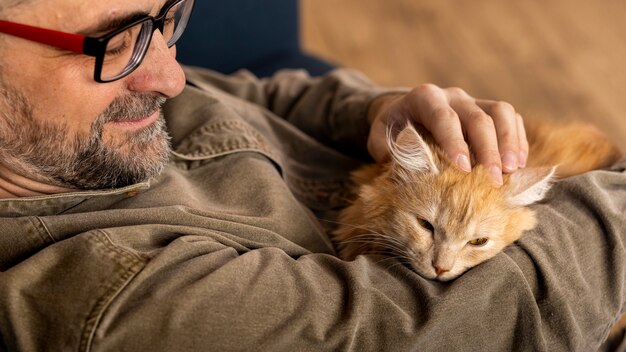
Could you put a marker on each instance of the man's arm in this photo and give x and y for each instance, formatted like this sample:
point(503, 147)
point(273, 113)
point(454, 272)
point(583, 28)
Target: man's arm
point(559, 289)
point(333, 109)
point(344, 110)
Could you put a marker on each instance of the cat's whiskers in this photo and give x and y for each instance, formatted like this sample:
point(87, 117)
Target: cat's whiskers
point(382, 247)
point(360, 227)
point(369, 237)
point(385, 242)
point(395, 261)
point(376, 235)
point(385, 245)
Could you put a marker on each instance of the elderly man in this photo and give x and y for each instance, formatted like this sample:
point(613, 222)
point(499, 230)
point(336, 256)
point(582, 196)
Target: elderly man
point(127, 224)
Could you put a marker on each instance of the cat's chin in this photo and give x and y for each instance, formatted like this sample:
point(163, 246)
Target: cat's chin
point(433, 276)
point(429, 275)
point(445, 278)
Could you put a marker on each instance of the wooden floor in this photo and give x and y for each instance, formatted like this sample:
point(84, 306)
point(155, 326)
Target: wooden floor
point(560, 58)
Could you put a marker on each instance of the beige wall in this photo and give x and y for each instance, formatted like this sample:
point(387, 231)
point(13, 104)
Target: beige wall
point(559, 58)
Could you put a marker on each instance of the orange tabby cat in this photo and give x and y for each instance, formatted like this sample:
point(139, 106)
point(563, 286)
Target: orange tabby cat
point(421, 209)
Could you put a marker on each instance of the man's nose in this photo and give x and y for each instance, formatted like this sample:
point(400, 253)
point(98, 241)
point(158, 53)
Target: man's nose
point(159, 72)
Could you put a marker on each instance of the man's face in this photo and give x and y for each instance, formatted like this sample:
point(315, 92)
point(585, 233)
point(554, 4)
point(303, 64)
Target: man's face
point(59, 126)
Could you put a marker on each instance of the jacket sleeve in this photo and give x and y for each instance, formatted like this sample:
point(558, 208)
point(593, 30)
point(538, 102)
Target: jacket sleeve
point(559, 288)
point(332, 109)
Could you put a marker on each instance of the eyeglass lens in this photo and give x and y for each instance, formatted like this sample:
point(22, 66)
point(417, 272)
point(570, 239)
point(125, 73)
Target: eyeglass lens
point(125, 51)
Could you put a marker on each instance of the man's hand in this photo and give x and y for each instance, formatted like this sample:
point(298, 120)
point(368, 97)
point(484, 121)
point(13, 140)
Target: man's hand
point(493, 129)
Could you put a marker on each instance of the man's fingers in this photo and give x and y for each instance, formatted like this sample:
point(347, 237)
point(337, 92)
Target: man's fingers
point(507, 131)
point(481, 133)
point(377, 143)
point(493, 129)
point(523, 140)
point(433, 111)
point(512, 140)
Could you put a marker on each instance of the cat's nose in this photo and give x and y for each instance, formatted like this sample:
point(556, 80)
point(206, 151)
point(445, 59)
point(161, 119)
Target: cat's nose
point(439, 270)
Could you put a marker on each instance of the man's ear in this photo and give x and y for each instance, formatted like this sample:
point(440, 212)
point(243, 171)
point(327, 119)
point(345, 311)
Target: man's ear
point(410, 152)
point(527, 186)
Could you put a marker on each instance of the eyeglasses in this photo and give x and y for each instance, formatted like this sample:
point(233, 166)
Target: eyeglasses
point(117, 53)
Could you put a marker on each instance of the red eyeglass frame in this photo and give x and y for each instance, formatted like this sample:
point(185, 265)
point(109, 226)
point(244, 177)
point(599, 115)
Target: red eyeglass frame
point(62, 40)
point(81, 44)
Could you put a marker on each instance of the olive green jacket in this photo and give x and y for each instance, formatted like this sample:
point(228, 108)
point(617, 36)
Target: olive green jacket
point(227, 250)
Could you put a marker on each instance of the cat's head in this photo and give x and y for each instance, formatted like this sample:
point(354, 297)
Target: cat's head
point(448, 221)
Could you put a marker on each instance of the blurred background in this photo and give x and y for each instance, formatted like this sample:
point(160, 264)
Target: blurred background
point(562, 59)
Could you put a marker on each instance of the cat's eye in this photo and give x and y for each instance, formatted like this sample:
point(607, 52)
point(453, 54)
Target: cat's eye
point(478, 241)
point(425, 224)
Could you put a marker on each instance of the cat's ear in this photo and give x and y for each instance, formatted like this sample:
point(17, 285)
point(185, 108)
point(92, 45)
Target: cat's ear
point(527, 186)
point(410, 152)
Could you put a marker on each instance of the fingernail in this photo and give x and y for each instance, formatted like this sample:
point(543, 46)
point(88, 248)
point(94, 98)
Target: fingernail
point(464, 163)
point(496, 174)
point(509, 161)
point(523, 159)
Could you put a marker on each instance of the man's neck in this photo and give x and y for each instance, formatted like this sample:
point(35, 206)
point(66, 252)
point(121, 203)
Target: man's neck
point(13, 185)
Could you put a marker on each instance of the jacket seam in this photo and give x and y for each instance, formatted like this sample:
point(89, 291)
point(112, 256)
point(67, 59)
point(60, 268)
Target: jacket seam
point(238, 144)
point(45, 228)
point(135, 264)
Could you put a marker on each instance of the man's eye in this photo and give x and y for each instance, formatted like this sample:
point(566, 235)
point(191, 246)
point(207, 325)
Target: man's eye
point(478, 242)
point(425, 224)
point(119, 44)
point(116, 50)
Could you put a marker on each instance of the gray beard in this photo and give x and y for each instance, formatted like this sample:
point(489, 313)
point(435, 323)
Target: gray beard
point(46, 152)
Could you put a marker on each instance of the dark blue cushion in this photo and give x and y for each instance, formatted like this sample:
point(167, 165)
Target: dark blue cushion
point(260, 35)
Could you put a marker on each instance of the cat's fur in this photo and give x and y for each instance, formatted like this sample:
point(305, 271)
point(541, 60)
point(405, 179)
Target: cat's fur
point(421, 183)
